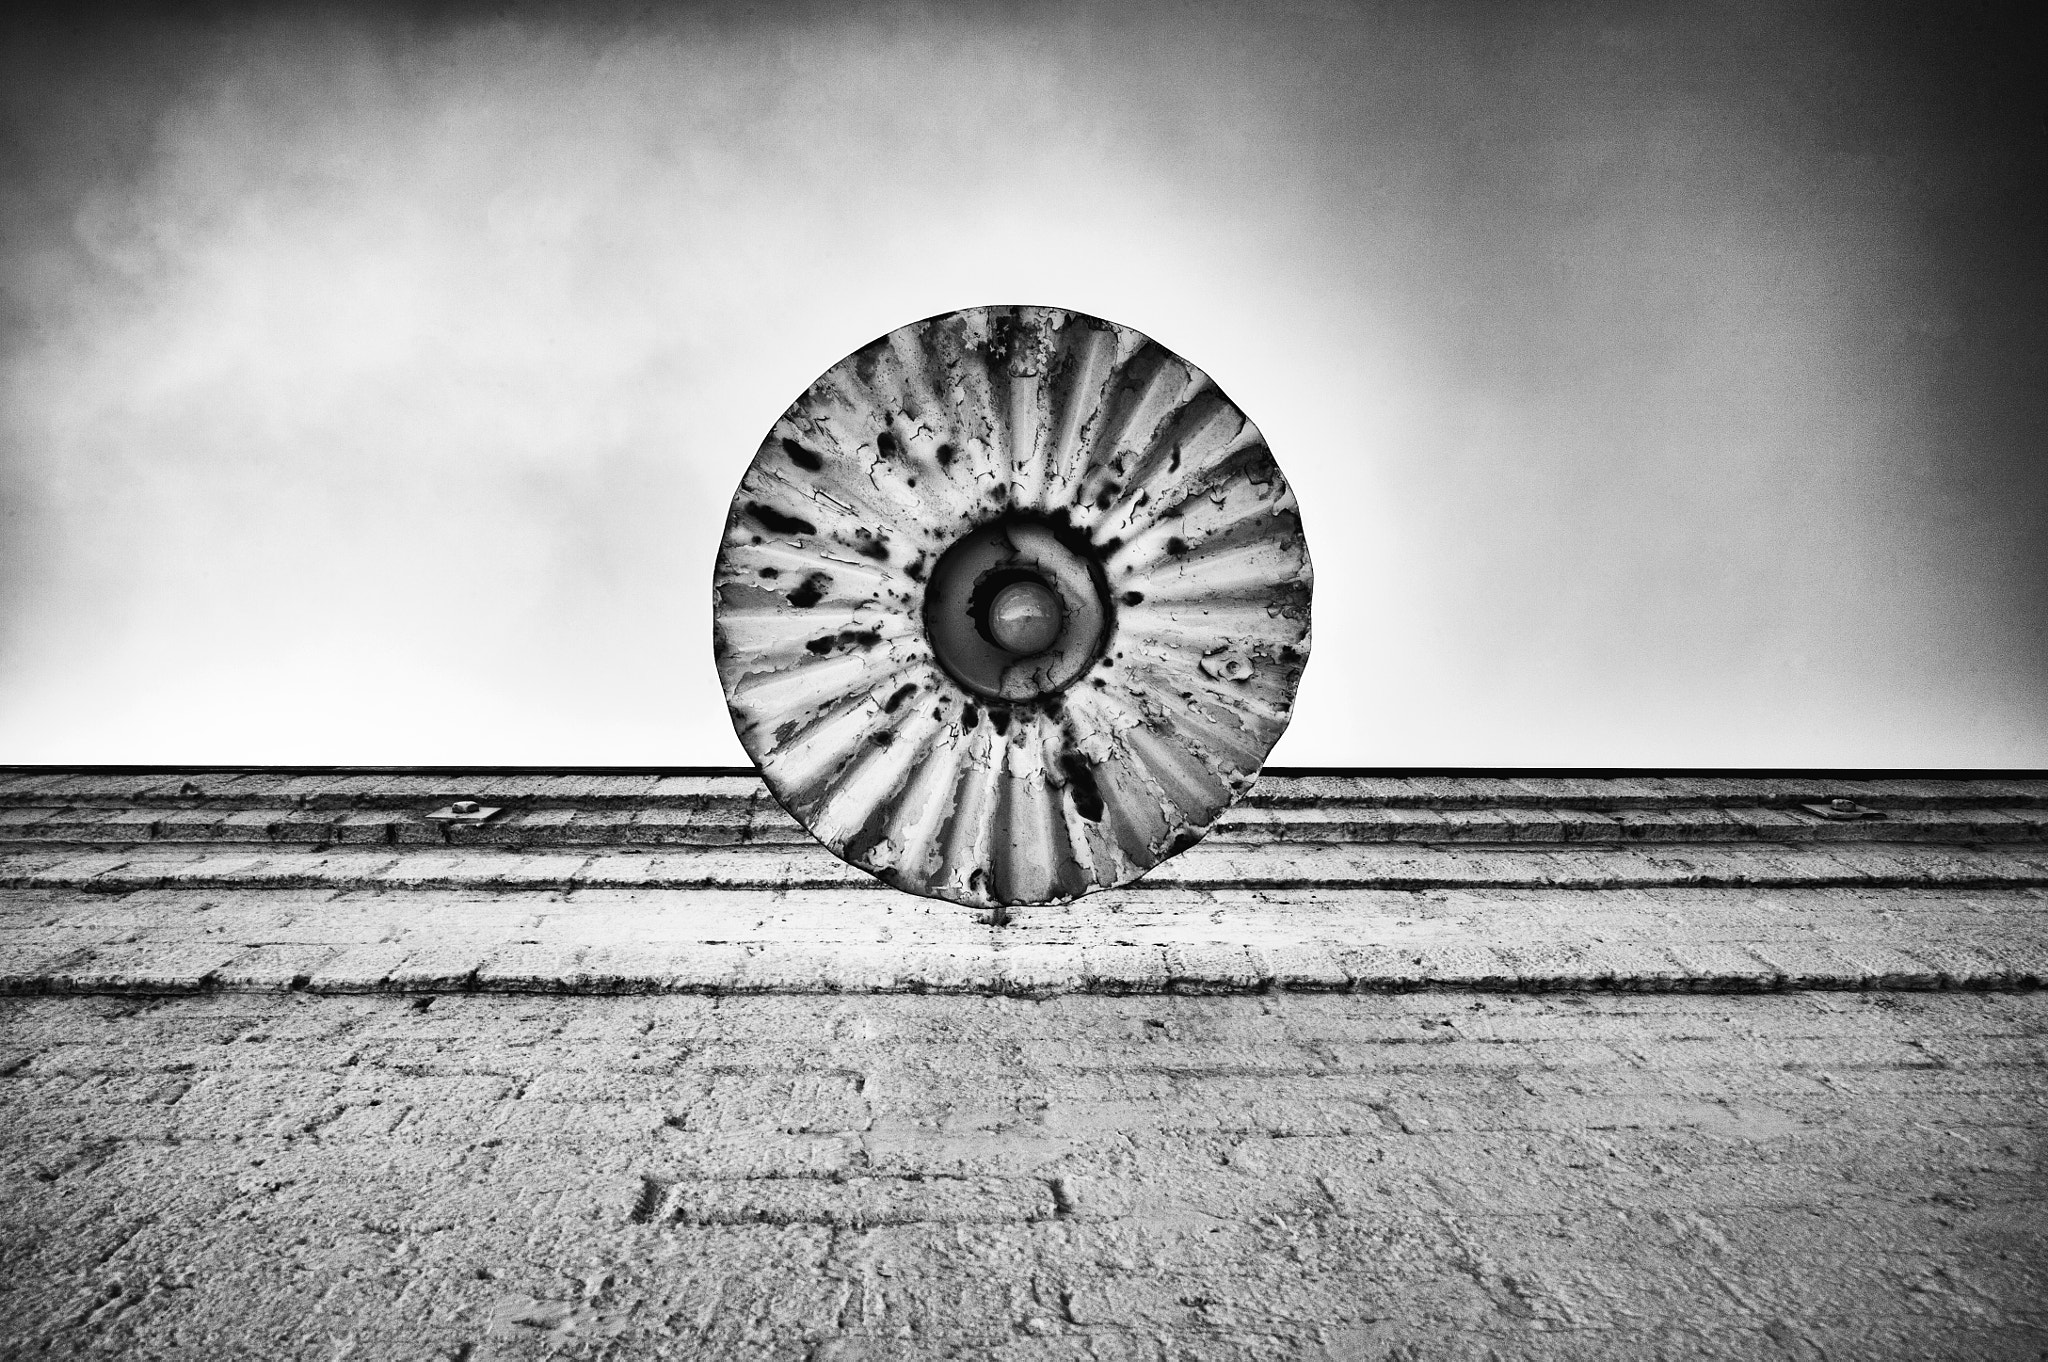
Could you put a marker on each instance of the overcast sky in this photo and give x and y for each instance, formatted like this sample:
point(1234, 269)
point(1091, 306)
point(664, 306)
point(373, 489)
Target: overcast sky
point(1662, 385)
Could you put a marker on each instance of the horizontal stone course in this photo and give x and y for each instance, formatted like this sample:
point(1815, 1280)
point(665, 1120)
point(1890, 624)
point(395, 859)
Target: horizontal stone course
point(1294, 831)
point(641, 882)
point(1218, 864)
point(731, 824)
point(542, 939)
point(359, 789)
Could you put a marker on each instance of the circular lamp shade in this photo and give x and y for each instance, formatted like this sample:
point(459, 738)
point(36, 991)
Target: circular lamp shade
point(1011, 606)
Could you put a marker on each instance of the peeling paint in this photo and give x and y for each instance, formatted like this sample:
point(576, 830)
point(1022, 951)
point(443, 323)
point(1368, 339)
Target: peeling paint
point(1129, 485)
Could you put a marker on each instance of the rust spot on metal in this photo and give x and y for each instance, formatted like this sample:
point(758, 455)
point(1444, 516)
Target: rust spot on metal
point(1081, 786)
point(777, 522)
point(812, 590)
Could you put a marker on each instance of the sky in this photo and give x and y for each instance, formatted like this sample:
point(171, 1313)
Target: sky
point(1662, 385)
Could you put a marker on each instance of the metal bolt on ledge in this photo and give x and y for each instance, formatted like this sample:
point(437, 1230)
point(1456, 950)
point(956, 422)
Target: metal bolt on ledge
point(1842, 810)
point(463, 812)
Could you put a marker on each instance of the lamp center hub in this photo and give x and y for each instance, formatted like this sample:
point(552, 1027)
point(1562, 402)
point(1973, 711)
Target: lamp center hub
point(1025, 618)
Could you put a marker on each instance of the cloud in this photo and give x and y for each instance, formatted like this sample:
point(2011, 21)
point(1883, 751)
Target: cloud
point(375, 388)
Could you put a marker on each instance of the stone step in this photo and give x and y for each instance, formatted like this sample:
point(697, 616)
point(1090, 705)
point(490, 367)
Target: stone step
point(761, 823)
point(1643, 792)
point(1211, 865)
point(1341, 822)
point(344, 790)
point(1129, 941)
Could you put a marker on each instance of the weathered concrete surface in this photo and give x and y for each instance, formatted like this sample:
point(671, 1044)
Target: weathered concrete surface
point(1291, 1176)
point(395, 938)
point(330, 1116)
point(545, 810)
point(117, 868)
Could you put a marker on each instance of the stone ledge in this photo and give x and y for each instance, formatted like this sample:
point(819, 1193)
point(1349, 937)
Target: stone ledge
point(760, 824)
point(1211, 865)
point(652, 941)
point(342, 791)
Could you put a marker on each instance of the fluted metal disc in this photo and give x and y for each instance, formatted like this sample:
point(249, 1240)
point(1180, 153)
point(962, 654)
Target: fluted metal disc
point(1037, 443)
